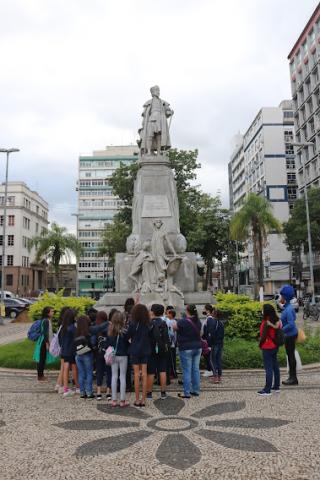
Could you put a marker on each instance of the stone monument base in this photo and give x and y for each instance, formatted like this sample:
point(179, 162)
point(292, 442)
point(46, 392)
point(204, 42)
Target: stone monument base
point(117, 300)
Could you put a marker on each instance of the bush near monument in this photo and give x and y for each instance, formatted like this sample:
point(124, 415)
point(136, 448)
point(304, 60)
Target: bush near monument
point(242, 315)
point(57, 302)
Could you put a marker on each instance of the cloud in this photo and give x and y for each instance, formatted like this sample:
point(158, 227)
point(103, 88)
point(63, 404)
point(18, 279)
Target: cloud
point(75, 76)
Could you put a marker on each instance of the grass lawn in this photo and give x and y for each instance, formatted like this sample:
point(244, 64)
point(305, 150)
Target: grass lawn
point(237, 353)
point(19, 355)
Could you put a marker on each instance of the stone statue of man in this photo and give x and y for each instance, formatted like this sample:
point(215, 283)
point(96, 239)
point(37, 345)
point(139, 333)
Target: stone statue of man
point(154, 133)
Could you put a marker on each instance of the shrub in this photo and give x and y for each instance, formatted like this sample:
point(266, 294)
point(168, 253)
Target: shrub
point(57, 302)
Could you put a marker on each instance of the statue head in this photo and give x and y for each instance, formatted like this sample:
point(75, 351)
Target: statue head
point(146, 246)
point(155, 91)
point(158, 223)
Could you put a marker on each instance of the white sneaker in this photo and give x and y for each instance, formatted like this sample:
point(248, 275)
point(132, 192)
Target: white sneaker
point(77, 391)
point(56, 388)
point(207, 373)
point(69, 393)
point(61, 390)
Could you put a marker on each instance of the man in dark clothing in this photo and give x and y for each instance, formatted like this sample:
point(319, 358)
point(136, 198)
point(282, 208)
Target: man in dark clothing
point(214, 335)
point(160, 344)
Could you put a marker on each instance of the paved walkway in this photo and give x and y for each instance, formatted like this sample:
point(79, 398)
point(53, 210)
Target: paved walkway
point(12, 332)
point(227, 433)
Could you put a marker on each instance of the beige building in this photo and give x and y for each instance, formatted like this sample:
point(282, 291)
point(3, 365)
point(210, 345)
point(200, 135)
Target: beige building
point(27, 216)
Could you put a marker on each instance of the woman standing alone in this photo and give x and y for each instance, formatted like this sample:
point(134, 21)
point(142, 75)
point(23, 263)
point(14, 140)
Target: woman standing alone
point(41, 352)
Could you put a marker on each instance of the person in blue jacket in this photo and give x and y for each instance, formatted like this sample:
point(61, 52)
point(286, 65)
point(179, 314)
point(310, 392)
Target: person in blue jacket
point(288, 320)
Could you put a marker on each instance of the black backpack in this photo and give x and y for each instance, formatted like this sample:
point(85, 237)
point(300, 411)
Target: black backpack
point(161, 337)
point(215, 334)
point(279, 338)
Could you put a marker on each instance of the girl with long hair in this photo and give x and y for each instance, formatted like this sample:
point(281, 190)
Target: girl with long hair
point(59, 384)
point(41, 352)
point(66, 340)
point(102, 370)
point(117, 338)
point(140, 349)
point(270, 323)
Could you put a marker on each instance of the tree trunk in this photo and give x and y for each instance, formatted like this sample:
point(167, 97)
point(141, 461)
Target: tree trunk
point(56, 275)
point(261, 264)
point(255, 262)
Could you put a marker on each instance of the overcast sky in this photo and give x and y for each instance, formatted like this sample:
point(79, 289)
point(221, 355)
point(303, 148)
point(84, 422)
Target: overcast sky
point(75, 73)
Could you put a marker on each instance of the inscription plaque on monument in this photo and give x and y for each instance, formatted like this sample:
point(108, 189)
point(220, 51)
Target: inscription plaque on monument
point(155, 206)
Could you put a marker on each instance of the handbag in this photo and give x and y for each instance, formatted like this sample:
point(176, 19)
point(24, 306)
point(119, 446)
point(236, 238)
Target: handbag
point(301, 338)
point(55, 347)
point(111, 352)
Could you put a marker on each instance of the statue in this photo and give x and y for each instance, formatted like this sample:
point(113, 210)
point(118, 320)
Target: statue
point(158, 250)
point(154, 133)
point(143, 270)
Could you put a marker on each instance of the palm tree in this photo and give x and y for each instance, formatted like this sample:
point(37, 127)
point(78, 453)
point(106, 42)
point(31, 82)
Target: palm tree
point(55, 244)
point(255, 220)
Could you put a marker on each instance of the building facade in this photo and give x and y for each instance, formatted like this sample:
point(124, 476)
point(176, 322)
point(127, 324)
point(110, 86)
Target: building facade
point(27, 216)
point(305, 86)
point(263, 162)
point(97, 206)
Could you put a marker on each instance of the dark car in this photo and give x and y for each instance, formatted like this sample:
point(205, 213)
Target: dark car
point(13, 307)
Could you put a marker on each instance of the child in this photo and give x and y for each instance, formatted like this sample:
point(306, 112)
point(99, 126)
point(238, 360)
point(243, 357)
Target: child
point(140, 349)
point(84, 357)
point(117, 339)
point(66, 340)
point(171, 321)
point(101, 368)
point(270, 323)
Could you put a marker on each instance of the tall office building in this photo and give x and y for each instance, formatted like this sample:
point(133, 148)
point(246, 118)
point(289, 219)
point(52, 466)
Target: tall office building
point(27, 216)
point(96, 207)
point(263, 162)
point(305, 85)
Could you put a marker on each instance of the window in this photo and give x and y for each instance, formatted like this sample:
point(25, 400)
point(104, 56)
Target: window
point(37, 227)
point(9, 260)
point(10, 240)
point(26, 223)
point(9, 280)
point(37, 209)
point(291, 178)
point(289, 149)
point(25, 262)
point(1, 220)
point(292, 193)
point(288, 114)
point(10, 221)
point(43, 230)
point(290, 164)
point(10, 200)
point(0, 260)
point(25, 242)
point(1, 240)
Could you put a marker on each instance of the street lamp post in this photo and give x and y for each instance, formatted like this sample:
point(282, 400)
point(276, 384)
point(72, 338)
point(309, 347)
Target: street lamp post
point(306, 145)
point(7, 151)
point(77, 259)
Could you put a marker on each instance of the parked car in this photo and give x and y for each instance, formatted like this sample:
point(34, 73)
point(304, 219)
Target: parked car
point(13, 307)
point(27, 301)
point(294, 302)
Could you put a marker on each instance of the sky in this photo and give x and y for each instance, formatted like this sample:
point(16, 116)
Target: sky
point(75, 74)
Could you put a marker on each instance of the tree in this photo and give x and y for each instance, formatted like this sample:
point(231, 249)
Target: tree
point(254, 221)
point(295, 230)
point(208, 234)
point(55, 244)
point(113, 239)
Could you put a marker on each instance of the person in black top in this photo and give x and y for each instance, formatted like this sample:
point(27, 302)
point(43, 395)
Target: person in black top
point(46, 332)
point(215, 336)
point(128, 306)
point(101, 368)
point(139, 349)
point(160, 346)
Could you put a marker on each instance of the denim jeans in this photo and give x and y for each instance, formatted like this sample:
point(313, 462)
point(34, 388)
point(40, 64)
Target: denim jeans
point(119, 364)
point(85, 369)
point(190, 361)
point(271, 367)
point(216, 354)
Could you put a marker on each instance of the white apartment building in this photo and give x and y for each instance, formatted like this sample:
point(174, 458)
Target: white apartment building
point(305, 86)
point(27, 216)
point(96, 207)
point(263, 162)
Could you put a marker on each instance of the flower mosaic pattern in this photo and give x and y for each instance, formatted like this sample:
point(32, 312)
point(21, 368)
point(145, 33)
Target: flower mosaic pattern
point(176, 449)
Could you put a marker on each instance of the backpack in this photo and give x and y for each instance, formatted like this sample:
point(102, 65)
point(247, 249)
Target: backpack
point(216, 334)
point(279, 338)
point(102, 345)
point(161, 337)
point(34, 331)
point(82, 345)
point(55, 347)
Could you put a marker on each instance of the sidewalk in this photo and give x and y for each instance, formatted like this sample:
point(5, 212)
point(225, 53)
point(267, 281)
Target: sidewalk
point(13, 332)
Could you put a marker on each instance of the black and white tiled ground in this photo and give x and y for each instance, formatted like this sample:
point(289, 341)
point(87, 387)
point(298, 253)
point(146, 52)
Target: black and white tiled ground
point(228, 432)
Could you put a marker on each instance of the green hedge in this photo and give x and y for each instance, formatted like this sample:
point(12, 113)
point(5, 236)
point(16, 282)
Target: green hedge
point(242, 316)
point(237, 353)
point(57, 302)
